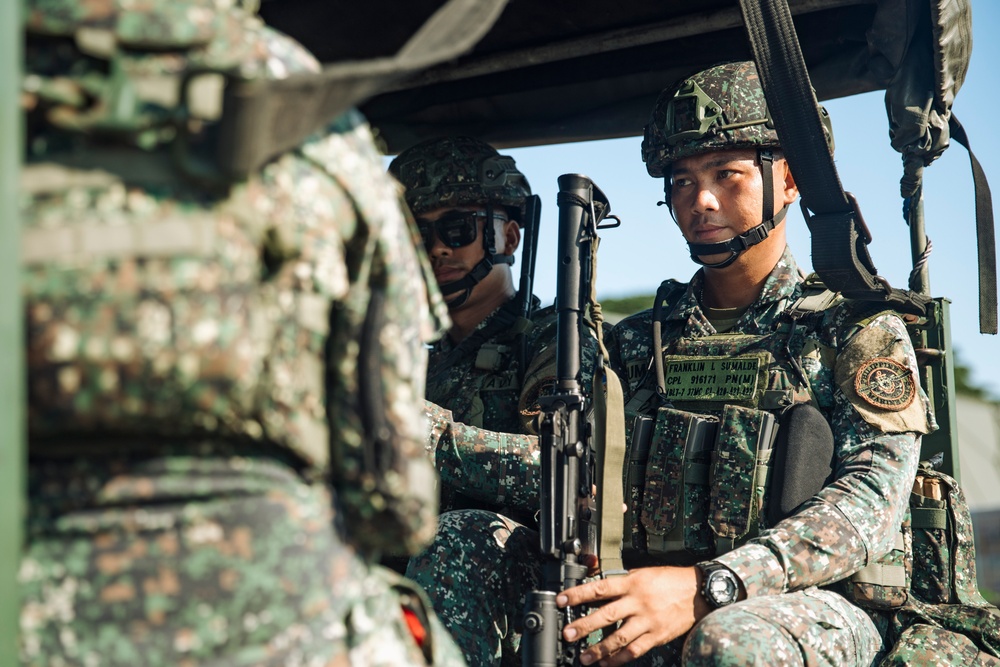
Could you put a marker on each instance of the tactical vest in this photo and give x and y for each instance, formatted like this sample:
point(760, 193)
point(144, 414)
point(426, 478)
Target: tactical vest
point(158, 314)
point(698, 479)
point(149, 315)
point(481, 379)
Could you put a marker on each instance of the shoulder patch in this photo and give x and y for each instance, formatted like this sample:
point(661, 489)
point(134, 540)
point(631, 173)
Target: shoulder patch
point(876, 373)
point(884, 383)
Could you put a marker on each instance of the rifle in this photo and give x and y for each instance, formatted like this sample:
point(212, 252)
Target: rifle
point(532, 214)
point(568, 519)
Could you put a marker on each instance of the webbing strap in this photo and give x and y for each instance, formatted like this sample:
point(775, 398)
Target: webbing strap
point(490, 356)
point(812, 302)
point(881, 574)
point(89, 241)
point(696, 473)
point(609, 419)
point(502, 321)
point(839, 237)
point(927, 518)
point(985, 235)
point(609, 439)
point(264, 118)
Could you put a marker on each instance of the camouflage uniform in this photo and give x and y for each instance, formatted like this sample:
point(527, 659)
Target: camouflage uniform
point(477, 388)
point(193, 371)
point(848, 525)
point(795, 573)
point(489, 394)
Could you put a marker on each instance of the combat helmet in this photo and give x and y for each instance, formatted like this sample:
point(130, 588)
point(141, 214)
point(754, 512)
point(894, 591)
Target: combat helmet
point(463, 171)
point(722, 107)
point(458, 171)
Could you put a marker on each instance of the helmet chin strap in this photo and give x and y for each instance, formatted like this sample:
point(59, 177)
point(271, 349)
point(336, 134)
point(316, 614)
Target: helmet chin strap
point(736, 245)
point(491, 257)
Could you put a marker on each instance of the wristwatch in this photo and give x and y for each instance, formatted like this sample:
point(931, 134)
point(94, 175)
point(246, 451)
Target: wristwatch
point(719, 585)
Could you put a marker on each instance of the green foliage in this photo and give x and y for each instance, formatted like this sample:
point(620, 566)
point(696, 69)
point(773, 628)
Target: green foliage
point(964, 384)
point(627, 305)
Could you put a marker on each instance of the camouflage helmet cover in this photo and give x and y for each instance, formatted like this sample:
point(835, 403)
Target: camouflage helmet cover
point(722, 107)
point(458, 171)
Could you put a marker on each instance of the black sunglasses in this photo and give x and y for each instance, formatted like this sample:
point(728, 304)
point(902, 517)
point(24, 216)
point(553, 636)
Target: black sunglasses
point(456, 229)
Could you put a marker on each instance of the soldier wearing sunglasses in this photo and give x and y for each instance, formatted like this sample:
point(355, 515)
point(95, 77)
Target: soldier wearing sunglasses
point(486, 374)
point(470, 206)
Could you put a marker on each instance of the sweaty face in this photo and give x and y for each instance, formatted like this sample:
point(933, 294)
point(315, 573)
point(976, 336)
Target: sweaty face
point(717, 196)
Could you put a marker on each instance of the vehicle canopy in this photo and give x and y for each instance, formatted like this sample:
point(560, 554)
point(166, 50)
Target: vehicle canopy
point(570, 70)
point(563, 71)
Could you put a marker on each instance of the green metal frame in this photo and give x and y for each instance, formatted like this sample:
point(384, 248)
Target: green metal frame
point(12, 452)
point(939, 383)
point(937, 376)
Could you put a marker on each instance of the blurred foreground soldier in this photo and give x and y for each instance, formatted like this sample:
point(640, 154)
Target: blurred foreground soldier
point(471, 204)
point(744, 547)
point(224, 381)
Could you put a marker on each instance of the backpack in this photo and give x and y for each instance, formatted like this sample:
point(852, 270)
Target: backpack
point(944, 616)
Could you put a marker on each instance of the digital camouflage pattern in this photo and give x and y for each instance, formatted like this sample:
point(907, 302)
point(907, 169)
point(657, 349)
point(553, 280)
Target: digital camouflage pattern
point(722, 107)
point(495, 468)
point(198, 555)
point(479, 382)
point(479, 379)
point(487, 459)
point(480, 595)
point(781, 557)
point(458, 171)
point(944, 609)
point(929, 645)
point(851, 523)
point(944, 557)
point(193, 365)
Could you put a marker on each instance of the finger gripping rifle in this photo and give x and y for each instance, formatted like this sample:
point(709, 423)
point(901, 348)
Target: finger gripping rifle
point(566, 523)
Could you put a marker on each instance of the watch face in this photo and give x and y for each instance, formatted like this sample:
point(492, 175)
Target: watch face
point(721, 587)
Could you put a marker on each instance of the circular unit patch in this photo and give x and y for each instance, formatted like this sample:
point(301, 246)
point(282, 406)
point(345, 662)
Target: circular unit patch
point(885, 384)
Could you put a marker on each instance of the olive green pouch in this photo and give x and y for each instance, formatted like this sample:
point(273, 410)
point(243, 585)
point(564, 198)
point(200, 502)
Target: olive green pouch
point(739, 474)
point(676, 435)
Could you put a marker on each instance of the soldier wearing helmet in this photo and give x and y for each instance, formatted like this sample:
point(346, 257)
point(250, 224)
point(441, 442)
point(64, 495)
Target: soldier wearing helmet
point(766, 522)
point(212, 361)
point(469, 202)
point(485, 376)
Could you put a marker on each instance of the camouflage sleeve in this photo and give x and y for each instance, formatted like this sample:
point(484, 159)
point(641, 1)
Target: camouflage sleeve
point(853, 521)
point(498, 468)
point(393, 306)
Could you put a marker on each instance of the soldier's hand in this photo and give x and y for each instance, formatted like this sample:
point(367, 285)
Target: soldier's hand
point(654, 605)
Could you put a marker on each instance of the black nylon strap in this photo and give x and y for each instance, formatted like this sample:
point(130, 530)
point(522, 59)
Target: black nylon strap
point(784, 77)
point(985, 235)
point(765, 158)
point(264, 118)
point(737, 244)
point(839, 239)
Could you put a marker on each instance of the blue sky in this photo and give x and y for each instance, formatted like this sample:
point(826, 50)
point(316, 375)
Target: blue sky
point(647, 248)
